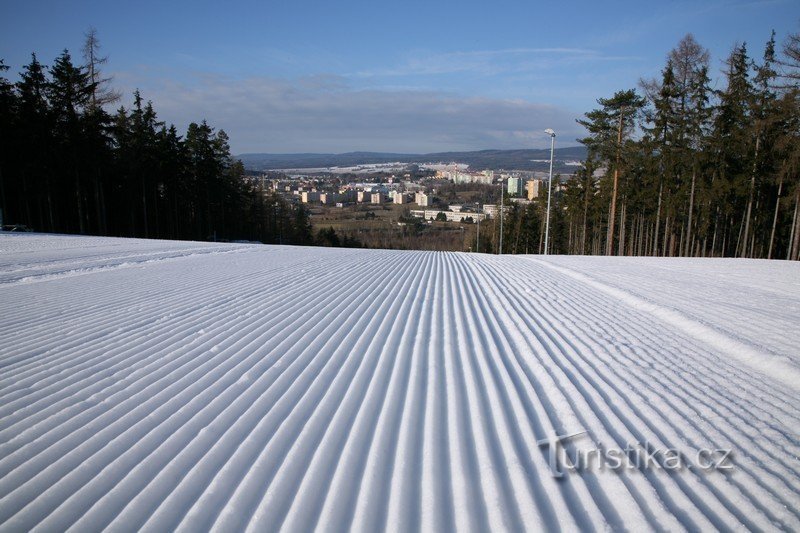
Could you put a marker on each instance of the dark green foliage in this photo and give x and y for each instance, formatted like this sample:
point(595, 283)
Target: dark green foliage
point(329, 237)
point(709, 173)
point(68, 166)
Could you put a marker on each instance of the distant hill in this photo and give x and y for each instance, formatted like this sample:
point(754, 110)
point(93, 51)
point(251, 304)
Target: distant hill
point(522, 159)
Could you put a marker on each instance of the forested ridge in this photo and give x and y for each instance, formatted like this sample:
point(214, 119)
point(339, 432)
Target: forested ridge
point(678, 167)
point(69, 166)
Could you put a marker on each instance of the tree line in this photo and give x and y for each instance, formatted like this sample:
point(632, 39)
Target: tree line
point(677, 167)
point(69, 166)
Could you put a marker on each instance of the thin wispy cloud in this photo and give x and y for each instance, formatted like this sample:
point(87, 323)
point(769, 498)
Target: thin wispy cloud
point(490, 62)
point(326, 115)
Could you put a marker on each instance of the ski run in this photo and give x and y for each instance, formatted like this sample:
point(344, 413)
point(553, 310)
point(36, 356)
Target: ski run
point(156, 385)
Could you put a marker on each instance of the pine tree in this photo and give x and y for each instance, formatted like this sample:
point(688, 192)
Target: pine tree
point(610, 129)
point(69, 91)
point(8, 106)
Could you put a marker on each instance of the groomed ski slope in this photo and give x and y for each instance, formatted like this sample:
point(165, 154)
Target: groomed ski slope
point(175, 385)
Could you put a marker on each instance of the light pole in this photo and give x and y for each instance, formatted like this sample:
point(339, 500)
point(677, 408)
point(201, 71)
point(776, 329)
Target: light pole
point(478, 238)
point(552, 135)
point(502, 200)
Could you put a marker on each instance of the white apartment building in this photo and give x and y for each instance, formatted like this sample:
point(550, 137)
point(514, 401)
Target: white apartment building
point(431, 214)
point(514, 186)
point(422, 199)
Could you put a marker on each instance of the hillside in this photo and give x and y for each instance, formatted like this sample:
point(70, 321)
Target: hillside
point(483, 159)
point(165, 385)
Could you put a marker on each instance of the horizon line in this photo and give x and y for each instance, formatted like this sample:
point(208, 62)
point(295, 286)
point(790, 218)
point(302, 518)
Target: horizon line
point(404, 153)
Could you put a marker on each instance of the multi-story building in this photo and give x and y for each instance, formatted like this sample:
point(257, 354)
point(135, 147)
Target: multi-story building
point(328, 198)
point(492, 210)
point(422, 199)
point(514, 186)
point(309, 196)
point(432, 214)
point(533, 187)
point(400, 198)
point(377, 198)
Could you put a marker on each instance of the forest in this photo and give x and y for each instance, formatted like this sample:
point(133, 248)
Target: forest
point(67, 165)
point(677, 167)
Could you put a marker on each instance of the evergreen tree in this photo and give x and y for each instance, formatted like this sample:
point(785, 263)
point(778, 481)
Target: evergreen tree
point(69, 91)
point(610, 129)
point(8, 106)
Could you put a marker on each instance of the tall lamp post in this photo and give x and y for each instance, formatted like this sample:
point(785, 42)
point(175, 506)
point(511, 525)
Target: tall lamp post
point(502, 201)
point(552, 135)
point(478, 237)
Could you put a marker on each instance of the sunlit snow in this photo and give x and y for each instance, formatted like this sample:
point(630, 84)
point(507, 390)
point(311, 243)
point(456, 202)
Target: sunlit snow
point(163, 385)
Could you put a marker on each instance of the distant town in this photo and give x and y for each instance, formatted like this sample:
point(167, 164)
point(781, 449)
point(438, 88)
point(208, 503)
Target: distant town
point(381, 204)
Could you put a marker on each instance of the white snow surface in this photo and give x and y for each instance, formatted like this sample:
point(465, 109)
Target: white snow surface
point(163, 385)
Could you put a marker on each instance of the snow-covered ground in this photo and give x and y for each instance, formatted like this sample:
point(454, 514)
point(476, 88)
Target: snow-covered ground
point(163, 385)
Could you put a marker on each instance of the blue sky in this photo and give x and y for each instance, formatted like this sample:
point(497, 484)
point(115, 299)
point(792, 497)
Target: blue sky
point(397, 76)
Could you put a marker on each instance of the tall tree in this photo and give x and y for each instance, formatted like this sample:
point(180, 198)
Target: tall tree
point(69, 91)
point(102, 93)
point(34, 132)
point(7, 111)
point(610, 127)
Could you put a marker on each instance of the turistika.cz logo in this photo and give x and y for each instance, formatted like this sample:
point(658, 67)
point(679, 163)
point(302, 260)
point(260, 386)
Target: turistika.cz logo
point(637, 456)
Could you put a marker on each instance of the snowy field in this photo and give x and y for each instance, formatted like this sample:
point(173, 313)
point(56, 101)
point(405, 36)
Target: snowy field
point(175, 385)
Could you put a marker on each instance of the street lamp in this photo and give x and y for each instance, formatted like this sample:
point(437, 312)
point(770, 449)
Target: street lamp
point(552, 135)
point(478, 237)
point(502, 201)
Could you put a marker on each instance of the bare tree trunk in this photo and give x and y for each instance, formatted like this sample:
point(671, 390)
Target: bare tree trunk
point(621, 249)
point(3, 206)
point(691, 209)
point(144, 209)
point(79, 201)
point(724, 242)
point(50, 217)
point(671, 244)
point(585, 215)
point(714, 238)
point(642, 235)
point(610, 242)
point(739, 240)
point(658, 220)
point(750, 198)
point(775, 218)
point(26, 207)
point(541, 237)
point(794, 236)
point(570, 242)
